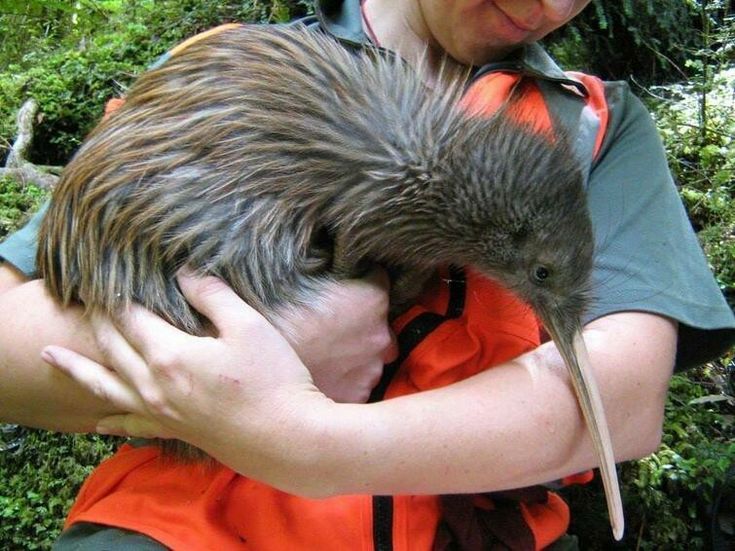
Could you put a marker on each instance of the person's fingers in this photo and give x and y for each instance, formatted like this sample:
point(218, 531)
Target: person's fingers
point(214, 299)
point(120, 353)
point(133, 332)
point(97, 379)
point(378, 276)
point(131, 425)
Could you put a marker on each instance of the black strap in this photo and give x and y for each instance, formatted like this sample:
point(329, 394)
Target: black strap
point(420, 327)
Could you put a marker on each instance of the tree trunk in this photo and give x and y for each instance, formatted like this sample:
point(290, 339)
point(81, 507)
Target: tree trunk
point(16, 166)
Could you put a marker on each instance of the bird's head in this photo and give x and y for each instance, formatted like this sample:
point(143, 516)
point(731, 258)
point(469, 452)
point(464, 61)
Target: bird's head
point(515, 208)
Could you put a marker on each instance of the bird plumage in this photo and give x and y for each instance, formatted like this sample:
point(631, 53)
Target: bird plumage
point(251, 152)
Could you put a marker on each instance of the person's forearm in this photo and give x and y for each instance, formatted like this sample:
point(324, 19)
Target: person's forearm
point(256, 409)
point(34, 394)
point(31, 392)
point(511, 426)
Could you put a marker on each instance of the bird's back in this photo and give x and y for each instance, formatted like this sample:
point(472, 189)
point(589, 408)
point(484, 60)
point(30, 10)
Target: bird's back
point(227, 159)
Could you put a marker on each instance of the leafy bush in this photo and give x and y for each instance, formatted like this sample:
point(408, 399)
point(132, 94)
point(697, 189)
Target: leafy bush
point(71, 87)
point(38, 483)
point(73, 79)
point(650, 41)
point(30, 25)
point(15, 202)
point(194, 16)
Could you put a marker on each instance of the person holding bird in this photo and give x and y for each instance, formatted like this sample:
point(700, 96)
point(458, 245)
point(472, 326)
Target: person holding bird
point(482, 430)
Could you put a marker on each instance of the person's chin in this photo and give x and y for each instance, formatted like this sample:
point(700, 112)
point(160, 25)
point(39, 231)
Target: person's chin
point(481, 54)
point(506, 29)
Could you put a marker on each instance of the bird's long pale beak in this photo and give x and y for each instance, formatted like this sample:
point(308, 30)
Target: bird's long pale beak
point(569, 341)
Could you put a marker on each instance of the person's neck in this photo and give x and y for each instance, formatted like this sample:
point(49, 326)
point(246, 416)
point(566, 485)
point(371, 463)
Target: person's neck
point(399, 26)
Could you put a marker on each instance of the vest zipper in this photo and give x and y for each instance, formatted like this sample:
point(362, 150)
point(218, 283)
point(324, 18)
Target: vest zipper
point(383, 505)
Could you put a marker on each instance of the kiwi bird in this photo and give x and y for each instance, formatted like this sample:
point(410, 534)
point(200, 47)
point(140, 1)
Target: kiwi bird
point(277, 160)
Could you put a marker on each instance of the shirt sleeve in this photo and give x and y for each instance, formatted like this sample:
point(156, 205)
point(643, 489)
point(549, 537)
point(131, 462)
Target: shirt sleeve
point(19, 249)
point(647, 257)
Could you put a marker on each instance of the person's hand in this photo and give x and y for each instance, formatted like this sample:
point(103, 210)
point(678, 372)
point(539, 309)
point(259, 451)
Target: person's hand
point(346, 340)
point(247, 381)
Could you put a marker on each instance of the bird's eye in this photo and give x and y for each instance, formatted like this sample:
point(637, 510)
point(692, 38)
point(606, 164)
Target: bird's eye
point(541, 274)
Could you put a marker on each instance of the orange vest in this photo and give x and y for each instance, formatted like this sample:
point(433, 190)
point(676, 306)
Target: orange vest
point(462, 325)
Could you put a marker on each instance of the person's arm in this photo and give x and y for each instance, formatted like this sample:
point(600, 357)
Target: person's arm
point(34, 394)
point(513, 425)
point(31, 393)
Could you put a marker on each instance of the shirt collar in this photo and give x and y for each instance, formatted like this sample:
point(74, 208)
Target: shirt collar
point(533, 60)
point(343, 20)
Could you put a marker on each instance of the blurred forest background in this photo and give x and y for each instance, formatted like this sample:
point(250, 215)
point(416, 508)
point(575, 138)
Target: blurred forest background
point(678, 55)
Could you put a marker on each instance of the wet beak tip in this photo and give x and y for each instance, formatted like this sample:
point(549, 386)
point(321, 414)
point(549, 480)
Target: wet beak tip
point(618, 531)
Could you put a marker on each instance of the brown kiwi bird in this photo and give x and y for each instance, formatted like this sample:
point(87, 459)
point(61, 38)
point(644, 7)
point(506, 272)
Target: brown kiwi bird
point(278, 161)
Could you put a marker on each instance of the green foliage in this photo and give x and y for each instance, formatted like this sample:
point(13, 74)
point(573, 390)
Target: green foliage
point(193, 16)
point(669, 491)
point(38, 483)
point(71, 87)
point(701, 152)
point(71, 79)
point(28, 24)
point(15, 202)
point(648, 41)
point(72, 69)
